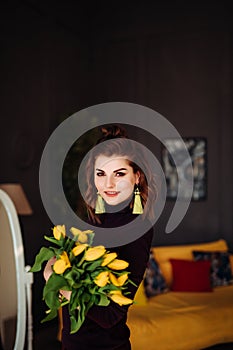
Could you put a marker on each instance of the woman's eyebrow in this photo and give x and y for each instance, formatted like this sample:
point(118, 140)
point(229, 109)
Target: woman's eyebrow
point(115, 171)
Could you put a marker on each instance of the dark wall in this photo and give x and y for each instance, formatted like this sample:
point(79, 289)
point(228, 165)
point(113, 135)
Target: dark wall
point(178, 61)
point(43, 80)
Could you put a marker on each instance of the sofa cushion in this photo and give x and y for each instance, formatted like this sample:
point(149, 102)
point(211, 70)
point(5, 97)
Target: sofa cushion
point(154, 282)
point(183, 321)
point(220, 271)
point(191, 276)
point(163, 254)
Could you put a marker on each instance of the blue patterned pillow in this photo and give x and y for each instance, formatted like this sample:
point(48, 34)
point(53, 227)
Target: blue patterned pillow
point(154, 282)
point(220, 271)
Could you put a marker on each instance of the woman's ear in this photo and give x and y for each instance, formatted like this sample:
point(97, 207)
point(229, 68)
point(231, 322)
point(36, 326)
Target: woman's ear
point(137, 177)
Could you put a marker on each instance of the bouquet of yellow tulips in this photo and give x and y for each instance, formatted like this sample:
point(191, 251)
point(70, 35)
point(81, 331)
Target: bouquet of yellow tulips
point(90, 274)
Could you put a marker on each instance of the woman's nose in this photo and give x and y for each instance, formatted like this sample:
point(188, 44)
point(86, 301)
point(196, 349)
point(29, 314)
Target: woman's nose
point(109, 182)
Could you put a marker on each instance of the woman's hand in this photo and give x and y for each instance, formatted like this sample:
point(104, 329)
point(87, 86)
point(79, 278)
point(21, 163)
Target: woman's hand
point(48, 268)
point(48, 272)
point(66, 294)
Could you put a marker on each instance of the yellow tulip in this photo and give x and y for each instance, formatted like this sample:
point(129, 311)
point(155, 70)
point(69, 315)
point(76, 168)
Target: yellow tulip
point(59, 231)
point(122, 279)
point(108, 258)
point(113, 279)
point(64, 257)
point(79, 249)
point(102, 279)
point(120, 299)
point(118, 281)
point(82, 235)
point(95, 253)
point(116, 292)
point(118, 264)
point(61, 264)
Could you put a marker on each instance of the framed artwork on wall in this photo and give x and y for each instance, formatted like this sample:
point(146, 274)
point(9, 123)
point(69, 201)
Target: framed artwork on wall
point(197, 148)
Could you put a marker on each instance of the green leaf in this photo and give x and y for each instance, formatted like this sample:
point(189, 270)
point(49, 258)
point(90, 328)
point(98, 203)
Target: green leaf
point(93, 266)
point(81, 271)
point(72, 276)
point(93, 289)
point(77, 285)
point(55, 283)
point(91, 237)
point(93, 299)
point(77, 317)
point(75, 299)
point(82, 312)
point(104, 301)
point(69, 244)
point(88, 306)
point(86, 297)
point(51, 315)
point(54, 241)
point(52, 300)
point(57, 251)
point(44, 255)
point(86, 281)
point(64, 302)
point(130, 281)
point(108, 287)
point(75, 323)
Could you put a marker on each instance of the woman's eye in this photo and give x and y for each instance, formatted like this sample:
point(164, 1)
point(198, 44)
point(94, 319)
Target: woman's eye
point(118, 174)
point(100, 174)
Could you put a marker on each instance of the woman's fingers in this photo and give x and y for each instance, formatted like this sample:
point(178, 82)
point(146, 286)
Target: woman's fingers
point(66, 294)
point(48, 268)
point(48, 272)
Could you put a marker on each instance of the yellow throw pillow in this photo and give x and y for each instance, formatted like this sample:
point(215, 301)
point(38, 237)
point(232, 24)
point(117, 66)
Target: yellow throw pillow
point(140, 297)
point(164, 254)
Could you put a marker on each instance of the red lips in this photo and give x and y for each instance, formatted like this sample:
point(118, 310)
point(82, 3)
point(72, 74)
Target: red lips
point(111, 193)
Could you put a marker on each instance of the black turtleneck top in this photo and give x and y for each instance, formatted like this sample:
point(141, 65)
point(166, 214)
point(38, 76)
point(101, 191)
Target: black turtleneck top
point(105, 327)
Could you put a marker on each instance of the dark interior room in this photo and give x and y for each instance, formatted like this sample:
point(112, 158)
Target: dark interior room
point(59, 57)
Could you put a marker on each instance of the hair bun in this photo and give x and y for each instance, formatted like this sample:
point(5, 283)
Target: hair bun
point(112, 131)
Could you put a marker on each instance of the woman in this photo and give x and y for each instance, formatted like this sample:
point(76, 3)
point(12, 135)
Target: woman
point(117, 193)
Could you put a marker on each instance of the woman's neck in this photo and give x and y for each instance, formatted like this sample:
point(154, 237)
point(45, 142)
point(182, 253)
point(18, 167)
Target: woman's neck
point(121, 207)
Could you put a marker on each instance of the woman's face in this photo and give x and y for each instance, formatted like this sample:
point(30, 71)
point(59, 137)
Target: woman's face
point(114, 178)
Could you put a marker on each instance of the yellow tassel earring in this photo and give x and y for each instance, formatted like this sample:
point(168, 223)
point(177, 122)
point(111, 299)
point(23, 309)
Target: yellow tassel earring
point(137, 205)
point(99, 207)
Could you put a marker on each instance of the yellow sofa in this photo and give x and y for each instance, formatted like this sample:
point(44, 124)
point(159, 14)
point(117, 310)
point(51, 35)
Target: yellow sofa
point(182, 320)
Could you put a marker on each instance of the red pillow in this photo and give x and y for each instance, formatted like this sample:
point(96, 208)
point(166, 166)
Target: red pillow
point(191, 276)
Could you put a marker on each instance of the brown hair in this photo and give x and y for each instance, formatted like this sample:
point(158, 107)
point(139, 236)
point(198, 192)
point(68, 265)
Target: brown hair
point(121, 146)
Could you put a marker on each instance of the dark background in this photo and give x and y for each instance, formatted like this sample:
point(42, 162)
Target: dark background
point(58, 57)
